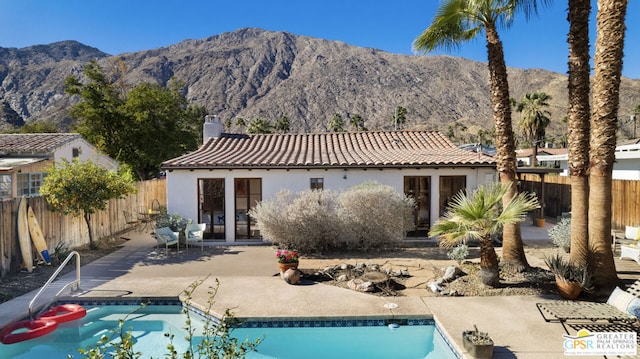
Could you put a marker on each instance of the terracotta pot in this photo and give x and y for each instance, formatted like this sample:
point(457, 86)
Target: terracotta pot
point(568, 290)
point(540, 222)
point(284, 266)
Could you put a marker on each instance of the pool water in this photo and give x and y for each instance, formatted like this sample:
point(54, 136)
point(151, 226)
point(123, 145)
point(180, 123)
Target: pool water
point(310, 340)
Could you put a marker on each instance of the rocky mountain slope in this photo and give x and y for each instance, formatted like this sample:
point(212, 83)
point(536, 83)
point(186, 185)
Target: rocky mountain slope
point(253, 73)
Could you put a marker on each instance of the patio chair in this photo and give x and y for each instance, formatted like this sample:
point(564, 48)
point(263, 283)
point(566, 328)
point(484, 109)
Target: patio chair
point(130, 219)
point(165, 236)
point(194, 234)
point(622, 308)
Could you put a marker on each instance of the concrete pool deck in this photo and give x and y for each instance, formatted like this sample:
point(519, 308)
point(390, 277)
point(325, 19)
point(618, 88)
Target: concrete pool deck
point(251, 288)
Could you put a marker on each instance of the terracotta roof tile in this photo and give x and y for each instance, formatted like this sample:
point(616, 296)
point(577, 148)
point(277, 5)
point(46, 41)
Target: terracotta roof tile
point(325, 150)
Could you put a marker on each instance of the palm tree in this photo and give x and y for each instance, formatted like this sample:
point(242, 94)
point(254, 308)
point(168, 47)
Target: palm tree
point(258, 126)
point(578, 127)
point(336, 124)
point(479, 216)
point(606, 100)
point(534, 119)
point(459, 21)
point(282, 125)
point(399, 117)
point(357, 122)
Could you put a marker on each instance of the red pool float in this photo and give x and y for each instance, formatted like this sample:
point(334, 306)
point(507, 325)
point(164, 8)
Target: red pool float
point(34, 328)
point(64, 313)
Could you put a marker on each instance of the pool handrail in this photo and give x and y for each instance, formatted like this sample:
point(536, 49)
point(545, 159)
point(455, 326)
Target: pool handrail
point(54, 275)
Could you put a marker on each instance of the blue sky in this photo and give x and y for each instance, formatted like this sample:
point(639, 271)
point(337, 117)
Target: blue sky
point(118, 26)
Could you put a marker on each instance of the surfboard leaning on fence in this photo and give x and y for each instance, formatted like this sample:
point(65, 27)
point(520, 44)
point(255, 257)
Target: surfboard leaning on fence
point(23, 235)
point(37, 237)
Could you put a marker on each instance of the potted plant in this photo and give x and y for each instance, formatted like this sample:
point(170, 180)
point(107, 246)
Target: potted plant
point(570, 279)
point(478, 344)
point(560, 234)
point(287, 259)
point(175, 221)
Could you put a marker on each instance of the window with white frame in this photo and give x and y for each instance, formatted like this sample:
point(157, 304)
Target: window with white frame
point(5, 186)
point(29, 184)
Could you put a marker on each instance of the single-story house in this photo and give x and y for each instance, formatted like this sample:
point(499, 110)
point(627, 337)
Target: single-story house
point(625, 167)
point(24, 159)
point(525, 155)
point(218, 183)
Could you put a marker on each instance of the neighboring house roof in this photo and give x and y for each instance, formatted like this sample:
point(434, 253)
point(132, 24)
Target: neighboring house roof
point(32, 143)
point(329, 150)
point(9, 163)
point(527, 152)
point(479, 148)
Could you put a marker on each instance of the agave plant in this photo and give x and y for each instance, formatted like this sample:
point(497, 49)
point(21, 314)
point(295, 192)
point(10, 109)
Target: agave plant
point(479, 216)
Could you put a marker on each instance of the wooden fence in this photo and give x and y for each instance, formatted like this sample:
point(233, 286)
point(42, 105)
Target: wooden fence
point(72, 231)
point(625, 204)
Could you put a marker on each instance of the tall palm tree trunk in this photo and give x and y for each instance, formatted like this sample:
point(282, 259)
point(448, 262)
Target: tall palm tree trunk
point(606, 98)
point(578, 128)
point(513, 255)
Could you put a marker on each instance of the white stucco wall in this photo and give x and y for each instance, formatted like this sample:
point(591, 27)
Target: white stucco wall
point(182, 191)
point(87, 151)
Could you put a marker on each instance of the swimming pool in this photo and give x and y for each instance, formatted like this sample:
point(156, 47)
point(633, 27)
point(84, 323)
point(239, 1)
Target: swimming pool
point(281, 339)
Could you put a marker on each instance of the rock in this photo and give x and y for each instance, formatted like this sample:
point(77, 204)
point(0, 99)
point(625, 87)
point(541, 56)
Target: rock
point(291, 276)
point(343, 278)
point(344, 266)
point(435, 287)
point(360, 265)
point(360, 286)
point(449, 273)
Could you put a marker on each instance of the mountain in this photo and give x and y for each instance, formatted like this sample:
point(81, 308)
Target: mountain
point(253, 73)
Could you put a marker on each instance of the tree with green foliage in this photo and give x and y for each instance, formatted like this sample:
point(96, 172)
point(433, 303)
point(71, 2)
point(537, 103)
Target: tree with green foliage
point(357, 122)
point(83, 188)
point(479, 216)
point(336, 124)
point(399, 117)
point(259, 126)
point(282, 125)
point(36, 127)
point(535, 119)
point(240, 122)
point(460, 21)
point(141, 127)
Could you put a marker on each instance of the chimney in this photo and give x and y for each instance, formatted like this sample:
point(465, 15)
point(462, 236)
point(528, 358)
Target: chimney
point(212, 128)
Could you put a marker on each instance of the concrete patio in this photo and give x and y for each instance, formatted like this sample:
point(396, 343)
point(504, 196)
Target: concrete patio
point(251, 288)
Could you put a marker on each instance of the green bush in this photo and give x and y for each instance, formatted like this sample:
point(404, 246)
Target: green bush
point(366, 216)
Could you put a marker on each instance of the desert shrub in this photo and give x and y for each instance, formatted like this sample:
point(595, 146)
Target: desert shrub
point(560, 234)
point(374, 215)
point(459, 253)
point(306, 221)
point(364, 217)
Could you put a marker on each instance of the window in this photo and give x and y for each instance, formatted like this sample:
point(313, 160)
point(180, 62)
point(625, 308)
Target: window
point(317, 183)
point(248, 193)
point(449, 187)
point(29, 184)
point(5, 186)
point(211, 195)
point(75, 152)
point(419, 187)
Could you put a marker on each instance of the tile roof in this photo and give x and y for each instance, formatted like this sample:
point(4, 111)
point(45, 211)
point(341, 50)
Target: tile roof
point(31, 143)
point(329, 150)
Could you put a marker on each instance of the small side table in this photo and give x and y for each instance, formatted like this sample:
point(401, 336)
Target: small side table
point(632, 252)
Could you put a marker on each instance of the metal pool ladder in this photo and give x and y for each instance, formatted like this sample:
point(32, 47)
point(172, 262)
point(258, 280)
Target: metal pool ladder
point(75, 285)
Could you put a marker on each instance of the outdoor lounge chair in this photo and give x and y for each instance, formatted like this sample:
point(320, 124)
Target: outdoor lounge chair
point(194, 234)
point(621, 308)
point(165, 236)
